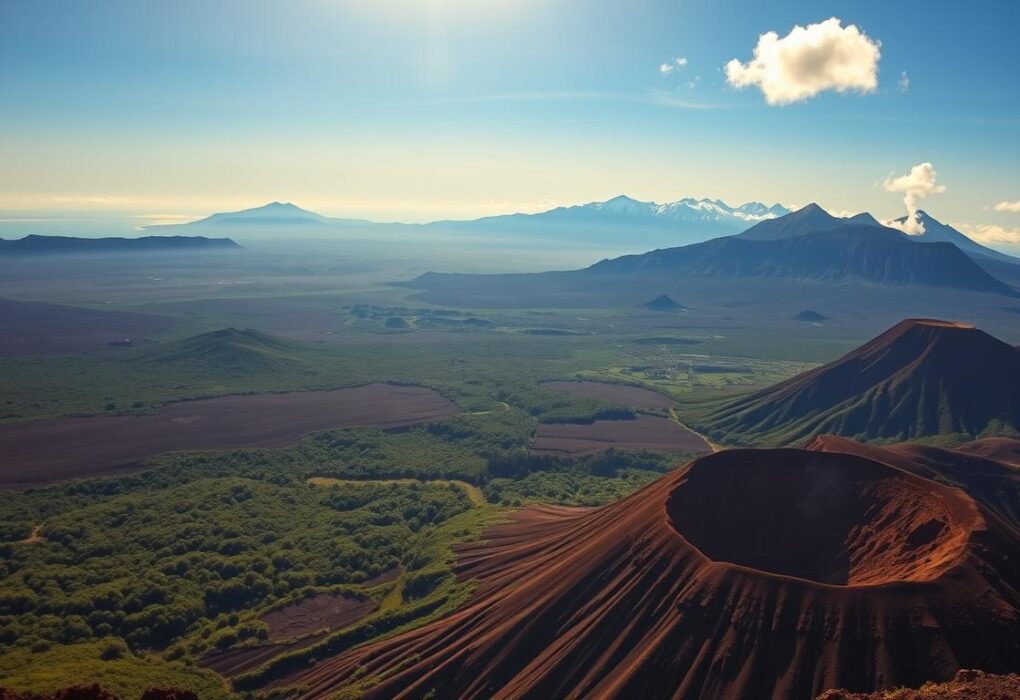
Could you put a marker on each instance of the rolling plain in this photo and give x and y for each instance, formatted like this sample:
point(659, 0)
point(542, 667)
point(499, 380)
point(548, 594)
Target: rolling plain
point(292, 466)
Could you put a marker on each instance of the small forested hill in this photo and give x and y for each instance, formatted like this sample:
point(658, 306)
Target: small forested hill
point(663, 303)
point(226, 353)
point(922, 378)
point(809, 316)
point(35, 245)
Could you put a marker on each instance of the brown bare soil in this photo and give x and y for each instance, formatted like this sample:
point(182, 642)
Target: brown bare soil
point(323, 611)
point(291, 628)
point(34, 537)
point(678, 592)
point(69, 448)
point(966, 685)
point(1000, 449)
point(33, 328)
point(641, 433)
point(629, 396)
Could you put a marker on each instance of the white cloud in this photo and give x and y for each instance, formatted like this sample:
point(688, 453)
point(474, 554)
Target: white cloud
point(667, 68)
point(904, 81)
point(1011, 207)
point(915, 186)
point(991, 234)
point(808, 60)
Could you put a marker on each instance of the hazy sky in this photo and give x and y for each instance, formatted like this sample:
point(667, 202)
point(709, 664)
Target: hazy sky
point(423, 109)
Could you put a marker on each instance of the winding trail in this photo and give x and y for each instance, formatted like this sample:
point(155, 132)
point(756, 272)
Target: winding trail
point(504, 406)
point(34, 537)
point(675, 417)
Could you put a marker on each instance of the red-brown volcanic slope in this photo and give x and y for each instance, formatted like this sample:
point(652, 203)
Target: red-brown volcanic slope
point(641, 433)
point(831, 570)
point(66, 448)
point(922, 377)
point(995, 484)
point(630, 396)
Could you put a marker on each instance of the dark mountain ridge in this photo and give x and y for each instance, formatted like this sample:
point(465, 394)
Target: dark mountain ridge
point(845, 254)
point(813, 218)
point(809, 219)
point(36, 245)
point(791, 248)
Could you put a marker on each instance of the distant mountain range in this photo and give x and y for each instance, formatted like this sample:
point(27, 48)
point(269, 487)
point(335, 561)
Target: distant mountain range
point(622, 217)
point(806, 246)
point(620, 220)
point(921, 378)
point(35, 245)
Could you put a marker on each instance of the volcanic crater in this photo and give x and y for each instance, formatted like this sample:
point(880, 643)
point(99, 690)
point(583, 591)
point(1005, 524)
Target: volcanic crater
point(746, 573)
point(833, 519)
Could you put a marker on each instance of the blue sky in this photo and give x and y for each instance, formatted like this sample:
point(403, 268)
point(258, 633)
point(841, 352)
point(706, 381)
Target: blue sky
point(426, 109)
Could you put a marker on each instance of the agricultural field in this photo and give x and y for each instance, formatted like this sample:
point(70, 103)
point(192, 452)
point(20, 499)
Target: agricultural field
point(642, 432)
point(62, 448)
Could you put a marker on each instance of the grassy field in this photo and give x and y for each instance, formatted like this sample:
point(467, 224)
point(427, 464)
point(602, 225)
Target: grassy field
point(108, 663)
